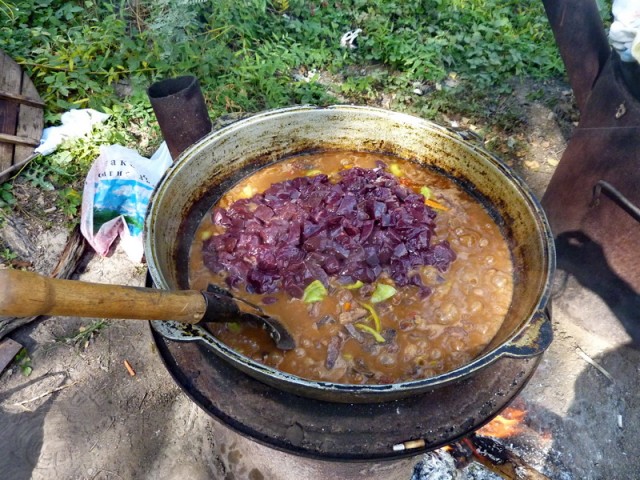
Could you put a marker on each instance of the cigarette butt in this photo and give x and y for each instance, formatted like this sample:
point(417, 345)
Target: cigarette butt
point(129, 368)
point(409, 445)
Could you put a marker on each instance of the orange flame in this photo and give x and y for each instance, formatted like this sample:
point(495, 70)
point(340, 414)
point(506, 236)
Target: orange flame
point(507, 424)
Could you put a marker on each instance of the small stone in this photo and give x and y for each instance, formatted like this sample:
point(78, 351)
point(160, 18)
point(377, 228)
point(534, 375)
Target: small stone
point(532, 164)
point(545, 144)
point(552, 161)
point(451, 83)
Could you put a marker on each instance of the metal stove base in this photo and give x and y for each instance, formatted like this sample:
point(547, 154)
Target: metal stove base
point(244, 458)
point(332, 432)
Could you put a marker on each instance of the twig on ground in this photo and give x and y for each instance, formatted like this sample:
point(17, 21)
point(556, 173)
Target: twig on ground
point(142, 401)
point(113, 421)
point(42, 395)
point(593, 363)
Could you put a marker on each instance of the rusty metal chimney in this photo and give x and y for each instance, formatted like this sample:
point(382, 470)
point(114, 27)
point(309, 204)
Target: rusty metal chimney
point(181, 112)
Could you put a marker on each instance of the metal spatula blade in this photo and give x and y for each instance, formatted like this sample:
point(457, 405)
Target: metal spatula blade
point(222, 306)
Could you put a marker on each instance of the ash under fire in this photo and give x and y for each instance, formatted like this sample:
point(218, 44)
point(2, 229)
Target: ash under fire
point(511, 446)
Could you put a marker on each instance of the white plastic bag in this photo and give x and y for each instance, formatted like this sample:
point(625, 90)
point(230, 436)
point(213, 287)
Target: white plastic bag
point(116, 195)
point(74, 123)
point(624, 34)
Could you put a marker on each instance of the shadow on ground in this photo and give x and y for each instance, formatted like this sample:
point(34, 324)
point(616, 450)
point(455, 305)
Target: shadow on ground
point(583, 258)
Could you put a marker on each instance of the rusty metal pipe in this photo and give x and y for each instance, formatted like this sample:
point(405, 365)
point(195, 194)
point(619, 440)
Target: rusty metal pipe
point(181, 112)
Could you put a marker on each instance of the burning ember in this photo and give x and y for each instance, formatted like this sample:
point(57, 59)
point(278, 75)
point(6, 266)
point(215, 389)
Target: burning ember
point(506, 425)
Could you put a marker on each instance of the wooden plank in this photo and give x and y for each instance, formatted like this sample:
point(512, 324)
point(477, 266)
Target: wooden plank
point(10, 81)
point(21, 99)
point(30, 121)
point(8, 350)
point(18, 140)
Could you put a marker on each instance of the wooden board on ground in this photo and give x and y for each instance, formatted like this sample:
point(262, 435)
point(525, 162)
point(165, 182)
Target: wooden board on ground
point(8, 350)
point(21, 116)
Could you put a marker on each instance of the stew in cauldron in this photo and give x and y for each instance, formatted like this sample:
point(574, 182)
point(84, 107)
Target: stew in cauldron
point(382, 270)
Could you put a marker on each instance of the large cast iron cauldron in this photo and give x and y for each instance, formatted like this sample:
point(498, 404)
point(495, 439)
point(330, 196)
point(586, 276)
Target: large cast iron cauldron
point(208, 168)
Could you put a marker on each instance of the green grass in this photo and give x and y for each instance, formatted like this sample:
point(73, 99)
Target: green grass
point(243, 52)
point(84, 336)
point(85, 53)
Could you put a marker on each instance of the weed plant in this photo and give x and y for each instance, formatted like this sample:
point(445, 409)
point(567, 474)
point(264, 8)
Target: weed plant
point(253, 55)
point(244, 53)
point(84, 336)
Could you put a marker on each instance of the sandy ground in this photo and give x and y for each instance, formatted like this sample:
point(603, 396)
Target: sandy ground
point(81, 415)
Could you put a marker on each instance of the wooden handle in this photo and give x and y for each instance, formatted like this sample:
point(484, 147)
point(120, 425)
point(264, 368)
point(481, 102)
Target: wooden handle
point(25, 294)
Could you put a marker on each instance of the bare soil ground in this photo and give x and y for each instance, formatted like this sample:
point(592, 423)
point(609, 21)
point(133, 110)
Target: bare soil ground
point(81, 415)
